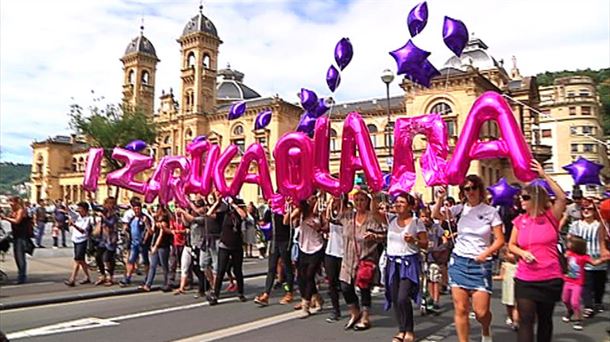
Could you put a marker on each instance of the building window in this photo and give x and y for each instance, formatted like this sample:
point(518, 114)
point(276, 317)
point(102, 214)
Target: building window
point(206, 61)
point(572, 110)
point(573, 130)
point(587, 130)
point(132, 77)
point(546, 112)
point(190, 60)
point(588, 148)
point(74, 165)
point(373, 133)
point(548, 167)
point(574, 148)
point(145, 77)
point(333, 140)
point(441, 108)
point(389, 135)
point(570, 94)
point(167, 151)
point(238, 130)
point(451, 127)
point(167, 140)
point(546, 133)
point(584, 92)
point(241, 144)
point(585, 110)
point(262, 141)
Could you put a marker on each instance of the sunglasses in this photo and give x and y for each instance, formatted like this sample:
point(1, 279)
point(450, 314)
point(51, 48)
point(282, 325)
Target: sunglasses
point(525, 197)
point(469, 188)
point(588, 208)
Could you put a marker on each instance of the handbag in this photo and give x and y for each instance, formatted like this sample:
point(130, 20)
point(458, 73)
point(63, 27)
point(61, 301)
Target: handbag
point(563, 262)
point(365, 270)
point(29, 246)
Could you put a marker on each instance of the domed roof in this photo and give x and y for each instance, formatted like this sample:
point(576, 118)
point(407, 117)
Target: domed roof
point(200, 23)
point(230, 86)
point(474, 55)
point(141, 44)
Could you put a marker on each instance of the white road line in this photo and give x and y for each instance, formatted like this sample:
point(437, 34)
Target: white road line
point(242, 328)
point(166, 310)
point(25, 285)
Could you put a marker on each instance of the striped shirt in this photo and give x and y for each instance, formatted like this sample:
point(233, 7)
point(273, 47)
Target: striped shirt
point(590, 233)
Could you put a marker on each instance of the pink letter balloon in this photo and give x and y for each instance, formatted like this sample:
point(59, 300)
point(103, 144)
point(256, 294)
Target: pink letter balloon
point(201, 177)
point(93, 169)
point(219, 170)
point(134, 164)
point(321, 157)
point(254, 153)
point(293, 153)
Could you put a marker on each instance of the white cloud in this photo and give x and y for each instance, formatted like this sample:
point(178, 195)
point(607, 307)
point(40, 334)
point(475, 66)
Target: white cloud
point(53, 51)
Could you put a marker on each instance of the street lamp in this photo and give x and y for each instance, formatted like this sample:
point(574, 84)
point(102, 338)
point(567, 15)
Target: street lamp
point(387, 76)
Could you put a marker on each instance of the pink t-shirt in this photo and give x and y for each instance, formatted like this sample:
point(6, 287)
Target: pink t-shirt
point(576, 268)
point(538, 235)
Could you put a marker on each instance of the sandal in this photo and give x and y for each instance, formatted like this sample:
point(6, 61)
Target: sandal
point(400, 337)
point(100, 282)
point(85, 281)
point(69, 283)
point(360, 326)
point(144, 288)
point(178, 292)
point(352, 321)
point(409, 337)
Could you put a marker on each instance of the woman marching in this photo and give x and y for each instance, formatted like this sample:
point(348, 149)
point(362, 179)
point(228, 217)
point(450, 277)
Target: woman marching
point(406, 235)
point(161, 241)
point(470, 274)
point(20, 227)
point(363, 230)
point(539, 278)
point(334, 256)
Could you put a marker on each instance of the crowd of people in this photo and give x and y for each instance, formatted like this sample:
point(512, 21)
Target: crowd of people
point(415, 250)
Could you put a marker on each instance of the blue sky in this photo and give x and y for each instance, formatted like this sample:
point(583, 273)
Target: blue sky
point(53, 53)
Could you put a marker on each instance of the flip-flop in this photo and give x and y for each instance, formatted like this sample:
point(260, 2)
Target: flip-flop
point(400, 337)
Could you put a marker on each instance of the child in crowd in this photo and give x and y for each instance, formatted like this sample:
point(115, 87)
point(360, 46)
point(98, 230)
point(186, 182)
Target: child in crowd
point(507, 275)
point(575, 278)
point(55, 234)
point(438, 254)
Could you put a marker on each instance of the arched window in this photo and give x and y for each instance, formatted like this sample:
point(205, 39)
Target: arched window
point(188, 133)
point(81, 164)
point(132, 77)
point(238, 130)
point(190, 60)
point(333, 140)
point(145, 77)
point(238, 139)
point(442, 108)
point(206, 61)
point(167, 140)
point(74, 165)
point(389, 135)
point(373, 133)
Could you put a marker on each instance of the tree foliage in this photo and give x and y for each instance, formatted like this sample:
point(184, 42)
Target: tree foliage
point(111, 126)
point(13, 174)
point(601, 78)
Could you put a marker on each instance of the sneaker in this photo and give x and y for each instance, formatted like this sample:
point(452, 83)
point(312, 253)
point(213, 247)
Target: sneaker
point(124, 283)
point(566, 319)
point(262, 300)
point(577, 325)
point(317, 304)
point(471, 315)
point(376, 290)
point(509, 321)
point(334, 317)
point(599, 308)
point(231, 287)
point(286, 287)
point(436, 307)
point(287, 299)
point(487, 338)
point(588, 312)
point(55, 247)
point(242, 298)
point(212, 300)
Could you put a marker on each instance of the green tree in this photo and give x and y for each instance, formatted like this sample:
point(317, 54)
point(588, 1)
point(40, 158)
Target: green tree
point(111, 126)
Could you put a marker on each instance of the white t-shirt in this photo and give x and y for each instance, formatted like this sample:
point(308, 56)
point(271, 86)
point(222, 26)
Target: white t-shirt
point(397, 246)
point(335, 241)
point(129, 214)
point(85, 223)
point(474, 228)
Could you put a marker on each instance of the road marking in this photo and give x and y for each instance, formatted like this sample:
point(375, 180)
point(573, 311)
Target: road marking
point(243, 328)
point(80, 324)
point(26, 285)
point(170, 309)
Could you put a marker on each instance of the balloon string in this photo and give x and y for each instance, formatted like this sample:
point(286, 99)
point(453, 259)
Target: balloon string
point(447, 80)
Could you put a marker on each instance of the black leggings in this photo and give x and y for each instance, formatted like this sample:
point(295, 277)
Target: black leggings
point(349, 293)
point(280, 250)
point(401, 300)
point(531, 311)
point(105, 261)
point(332, 265)
point(236, 258)
point(309, 264)
point(595, 285)
point(203, 284)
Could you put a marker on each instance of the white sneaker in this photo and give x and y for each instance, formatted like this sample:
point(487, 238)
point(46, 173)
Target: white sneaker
point(487, 338)
point(509, 321)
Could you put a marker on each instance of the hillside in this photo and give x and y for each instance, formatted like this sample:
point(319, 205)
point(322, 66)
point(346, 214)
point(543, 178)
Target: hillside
point(601, 78)
point(13, 174)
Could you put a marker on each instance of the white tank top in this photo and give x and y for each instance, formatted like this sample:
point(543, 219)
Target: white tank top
point(397, 246)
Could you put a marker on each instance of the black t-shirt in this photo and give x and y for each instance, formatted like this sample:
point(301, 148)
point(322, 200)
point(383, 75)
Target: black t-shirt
point(166, 239)
point(282, 231)
point(214, 225)
point(230, 236)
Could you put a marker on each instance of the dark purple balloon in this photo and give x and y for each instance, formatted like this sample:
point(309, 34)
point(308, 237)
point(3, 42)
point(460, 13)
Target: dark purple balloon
point(237, 110)
point(503, 193)
point(344, 52)
point(607, 194)
point(321, 108)
point(333, 78)
point(262, 119)
point(584, 172)
point(309, 99)
point(386, 180)
point(543, 184)
point(200, 138)
point(455, 35)
point(418, 18)
point(409, 59)
point(136, 145)
point(425, 74)
point(306, 124)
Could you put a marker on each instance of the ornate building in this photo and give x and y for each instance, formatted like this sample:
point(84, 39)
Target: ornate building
point(206, 94)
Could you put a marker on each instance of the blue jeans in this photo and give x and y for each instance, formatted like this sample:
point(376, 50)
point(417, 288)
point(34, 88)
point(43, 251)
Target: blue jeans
point(19, 245)
point(40, 226)
point(161, 256)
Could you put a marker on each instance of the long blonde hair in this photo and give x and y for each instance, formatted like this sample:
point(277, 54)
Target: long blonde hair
point(540, 198)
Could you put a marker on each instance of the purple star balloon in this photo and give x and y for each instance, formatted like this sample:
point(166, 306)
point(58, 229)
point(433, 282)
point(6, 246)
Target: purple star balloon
point(584, 172)
point(309, 99)
point(237, 110)
point(503, 193)
point(321, 108)
point(343, 53)
point(409, 59)
point(306, 124)
point(424, 75)
point(417, 19)
point(136, 145)
point(333, 78)
point(200, 138)
point(455, 35)
point(262, 119)
point(543, 184)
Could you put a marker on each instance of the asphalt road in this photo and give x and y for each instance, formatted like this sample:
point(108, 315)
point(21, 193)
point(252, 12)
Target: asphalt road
point(165, 317)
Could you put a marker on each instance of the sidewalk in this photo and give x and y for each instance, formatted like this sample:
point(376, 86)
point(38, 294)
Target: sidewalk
point(48, 268)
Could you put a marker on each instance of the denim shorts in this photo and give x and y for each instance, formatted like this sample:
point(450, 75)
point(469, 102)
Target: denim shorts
point(80, 249)
point(468, 274)
point(208, 257)
point(136, 250)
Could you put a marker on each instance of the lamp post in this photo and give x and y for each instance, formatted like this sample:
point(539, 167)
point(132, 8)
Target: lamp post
point(387, 76)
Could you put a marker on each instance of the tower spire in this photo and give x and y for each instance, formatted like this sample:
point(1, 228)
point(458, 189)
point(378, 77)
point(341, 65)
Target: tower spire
point(142, 26)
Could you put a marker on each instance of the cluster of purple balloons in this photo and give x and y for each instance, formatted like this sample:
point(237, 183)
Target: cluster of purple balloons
point(316, 107)
point(262, 120)
point(413, 61)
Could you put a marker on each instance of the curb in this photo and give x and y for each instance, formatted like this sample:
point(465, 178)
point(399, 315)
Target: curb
point(73, 297)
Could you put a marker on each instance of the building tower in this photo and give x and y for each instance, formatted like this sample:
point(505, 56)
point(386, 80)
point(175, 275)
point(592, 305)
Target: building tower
point(139, 68)
point(199, 47)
